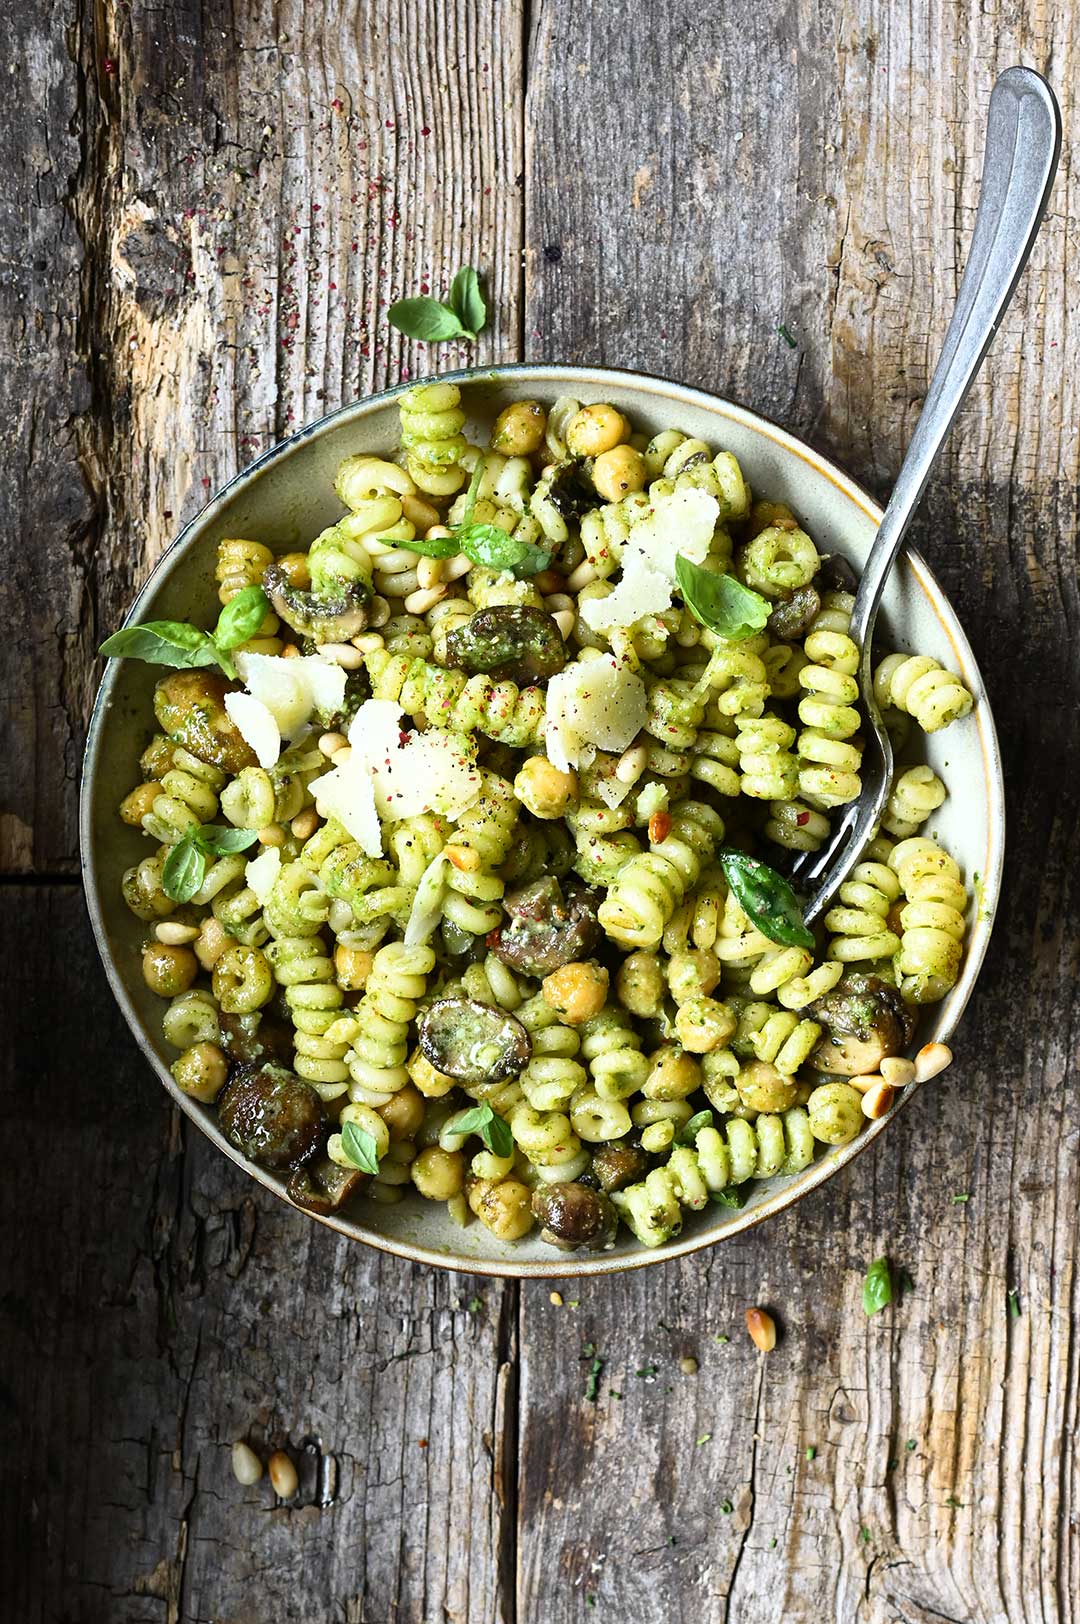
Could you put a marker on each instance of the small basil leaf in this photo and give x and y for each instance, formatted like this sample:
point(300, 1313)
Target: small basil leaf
point(701, 1119)
point(767, 899)
point(473, 490)
point(492, 1129)
point(161, 642)
point(721, 602)
point(221, 840)
point(360, 1147)
point(877, 1286)
point(467, 302)
point(241, 617)
point(733, 1195)
point(427, 319)
point(429, 547)
point(183, 870)
point(486, 544)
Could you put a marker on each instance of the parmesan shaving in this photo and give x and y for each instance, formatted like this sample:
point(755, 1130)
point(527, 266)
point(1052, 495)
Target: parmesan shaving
point(256, 725)
point(427, 904)
point(593, 704)
point(262, 872)
point(682, 521)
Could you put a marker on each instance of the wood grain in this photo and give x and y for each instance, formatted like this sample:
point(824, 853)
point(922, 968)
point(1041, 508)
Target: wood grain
point(207, 210)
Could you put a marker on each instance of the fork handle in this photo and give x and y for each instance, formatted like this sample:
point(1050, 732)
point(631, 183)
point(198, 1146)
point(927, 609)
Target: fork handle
point(1023, 140)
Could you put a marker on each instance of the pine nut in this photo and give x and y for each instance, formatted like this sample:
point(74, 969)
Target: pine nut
point(555, 1299)
point(688, 1365)
point(214, 940)
point(305, 824)
point(246, 1465)
point(660, 826)
point(457, 566)
point(343, 654)
point(554, 601)
point(436, 532)
point(272, 835)
point(419, 602)
point(420, 514)
point(290, 652)
point(367, 642)
point(762, 1328)
point(176, 935)
point(582, 576)
point(464, 858)
point(429, 572)
point(566, 620)
point(380, 612)
point(898, 1071)
point(931, 1058)
point(877, 1100)
point(631, 764)
point(331, 743)
point(865, 1083)
point(282, 1475)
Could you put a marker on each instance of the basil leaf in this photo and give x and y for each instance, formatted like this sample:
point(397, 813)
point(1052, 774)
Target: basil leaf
point(220, 840)
point(467, 302)
point(877, 1286)
point(427, 319)
point(767, 899)
point(241, 617)
point(431, 547)
point(360, 1147)
point(486, 544)
point(161, 642)
point(473, 490)
point(183, 870)
point(492, 1129)
point(733, 1195)
point(701, 1119)
point(720, 602)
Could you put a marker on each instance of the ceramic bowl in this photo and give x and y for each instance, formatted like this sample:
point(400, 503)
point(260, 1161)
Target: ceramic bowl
point(284, 499)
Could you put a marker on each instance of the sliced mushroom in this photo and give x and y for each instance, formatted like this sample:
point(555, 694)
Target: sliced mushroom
point(510, 644)
point(256, 1037)
point(190, 706)
point(616, 1166)
point(473, 1042)
point(865, 1020)
point(571, 492)
point(322, 1187)
point(272, 1115)
point(323, 619)
point(792, 618)
point(574, 1217)
point(547, 929)
point(836, 574)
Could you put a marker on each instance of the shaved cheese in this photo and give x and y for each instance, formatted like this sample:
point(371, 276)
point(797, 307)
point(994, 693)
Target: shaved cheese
point(427, 905)
point(682, 521)
point(256, 725)
point(347, 794)
point(653, 798)
point(290, 691)
point(262, 872)
point(594, 703)
point(413, 772)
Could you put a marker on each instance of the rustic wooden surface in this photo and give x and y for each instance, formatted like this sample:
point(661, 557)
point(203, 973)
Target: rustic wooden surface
point(205, 210)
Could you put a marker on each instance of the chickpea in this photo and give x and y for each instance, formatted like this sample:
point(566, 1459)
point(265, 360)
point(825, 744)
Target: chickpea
point(213, 941)
point(596, 429)
point(167, 969)
point(135, 806)
point(543, 790)
point(577, 991)
point(835, 1112)
point(201, 1072)
point(657, 1137)
point(352, 966)
point(693, 974)
point(439, 1174)
point(432, 1084)
point(703, 1024)
point(619, 472)
point(304, 825)
point(242, 980)
point(762, 1088)
point(674, 1075)
point(640, 985)
point(504, 1208)
point(157, 758)
point(519, 429)
point(403, 1113)
point(297, 571)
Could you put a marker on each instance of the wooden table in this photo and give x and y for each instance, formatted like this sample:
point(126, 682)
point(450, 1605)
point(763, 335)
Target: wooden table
point(208, 209)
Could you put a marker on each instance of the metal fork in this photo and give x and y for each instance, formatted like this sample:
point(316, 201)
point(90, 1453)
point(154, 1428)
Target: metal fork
point(1023, 140)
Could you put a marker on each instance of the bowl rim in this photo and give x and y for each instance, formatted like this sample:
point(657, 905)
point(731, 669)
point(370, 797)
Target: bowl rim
point(561, 1265)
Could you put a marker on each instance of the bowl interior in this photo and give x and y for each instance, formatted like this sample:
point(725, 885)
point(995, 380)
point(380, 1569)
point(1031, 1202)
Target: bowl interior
point(287, 497)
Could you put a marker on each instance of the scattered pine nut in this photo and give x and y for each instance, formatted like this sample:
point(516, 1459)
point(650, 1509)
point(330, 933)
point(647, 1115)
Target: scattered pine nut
point(464, 858)
point(379, 612)
point(631, 764)
point(331, 743)
point(555, 1299)
point(174, 934)
point(877, 1100)
point(343, 654)
point(305, 823)
point(865, 1083)
point(272, 835)
point(688, 1365)
point(290, 652)
point(898, 1071)
point(246, 1465)
point(283, 1476)
point(931, 1059)
point(423, 599)
point(762, 1329)
point(367, 643)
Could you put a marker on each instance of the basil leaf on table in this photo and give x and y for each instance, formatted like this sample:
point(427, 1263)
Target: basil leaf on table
point(877, 1286)
point(162, 642)
point(241, 617)
point(183, 870)
point(360, 1147)
point(467, 302)
point(491, 1128)
point(427, 319)
point(720, 602)
point(767, 899)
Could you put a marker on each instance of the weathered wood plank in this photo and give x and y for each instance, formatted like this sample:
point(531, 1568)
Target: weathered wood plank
point(157, 1305)
point(830, 187)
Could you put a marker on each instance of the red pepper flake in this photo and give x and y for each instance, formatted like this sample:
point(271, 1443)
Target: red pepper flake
point(333, 287)
point(425, 130)
point(206, 480)
point(108, 65)
point(802, 818)
point(389, 124)
point(421, 1443)
point(337, 104)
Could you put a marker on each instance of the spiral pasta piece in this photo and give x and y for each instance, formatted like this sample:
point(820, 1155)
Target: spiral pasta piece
point(770, 771)
point(303, 967)
point(553, 1075)
point(859, 922)
point(453, 701)
point(189, 797)
point(480, 842)
point(932, 920)
point(718, 1158)
point(612, 1051)
point(378, 1032)
point(915, 794)
point(918, 684)
point(340, 869)
point(603, 841)
point(240, 564)
point(796, 826)
point(779, 559)
point(646, 893)
point(828, 761)
point(431, 437)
